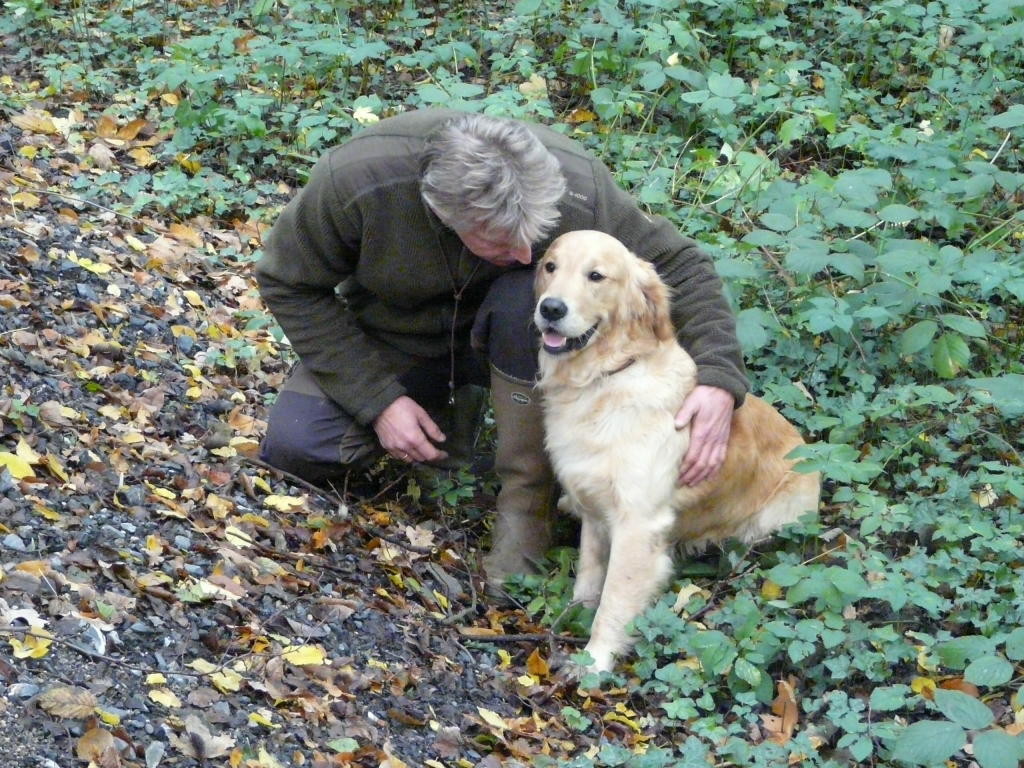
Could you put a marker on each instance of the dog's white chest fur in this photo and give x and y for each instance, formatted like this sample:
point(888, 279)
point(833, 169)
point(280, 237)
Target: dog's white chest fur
point(615, 439)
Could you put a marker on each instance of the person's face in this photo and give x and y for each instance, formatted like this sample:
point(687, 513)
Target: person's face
point(494, 249)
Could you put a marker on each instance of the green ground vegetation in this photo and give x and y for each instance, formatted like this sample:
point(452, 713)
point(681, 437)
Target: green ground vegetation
point(856, 171)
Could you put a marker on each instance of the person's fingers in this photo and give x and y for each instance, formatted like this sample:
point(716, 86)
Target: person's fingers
point(429, 426)
point(686, 413)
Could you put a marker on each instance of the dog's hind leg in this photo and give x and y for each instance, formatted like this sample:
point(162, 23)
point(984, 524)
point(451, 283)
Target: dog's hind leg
point(797, 495)
point(590, 572)
point(638, 566)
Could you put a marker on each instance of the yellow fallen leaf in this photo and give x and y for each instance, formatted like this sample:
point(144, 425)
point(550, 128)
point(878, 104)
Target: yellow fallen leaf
point(45, 512)
point(620, 718)
point(923, 686)
point(188, 164)
point(142, 157)
point(238, 537)
point(135, 244)
point(26, 200)
point(95, 267)
point(249, 517)
point(202, 666)
point(194, 299)
point(227, 681)
point(266, 760)
point(56, 468)
point(166, 697)
point(492, 718)
point(34, 646)
point(537, 666)
point(156, 678)
point(302, 655)
point(283, 503)
point(35, 122)
point(110, 718)
point(17, 466)
point(534, 88)
point(25, 451)
point(262, 717)
point(112, 412)
point(770, 590)
point(364, 115)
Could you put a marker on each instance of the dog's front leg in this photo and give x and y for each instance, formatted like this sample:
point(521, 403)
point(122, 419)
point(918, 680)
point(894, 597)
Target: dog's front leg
point(593, 560)
point(638, 565)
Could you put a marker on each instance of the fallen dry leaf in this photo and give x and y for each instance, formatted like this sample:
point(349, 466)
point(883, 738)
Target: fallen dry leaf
point(198, 742)
point(67, 701)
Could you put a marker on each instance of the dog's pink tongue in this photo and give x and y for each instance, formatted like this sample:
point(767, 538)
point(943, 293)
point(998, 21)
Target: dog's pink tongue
point(553, 340)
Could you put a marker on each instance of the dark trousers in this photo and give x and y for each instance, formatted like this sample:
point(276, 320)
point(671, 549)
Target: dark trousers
point(311, 436)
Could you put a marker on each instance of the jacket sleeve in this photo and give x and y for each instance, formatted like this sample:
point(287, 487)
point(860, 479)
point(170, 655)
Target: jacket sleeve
point(312, 247)
point(705, 323)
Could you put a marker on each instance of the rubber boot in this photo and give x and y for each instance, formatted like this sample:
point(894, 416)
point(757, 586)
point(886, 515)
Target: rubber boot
point(522, 525)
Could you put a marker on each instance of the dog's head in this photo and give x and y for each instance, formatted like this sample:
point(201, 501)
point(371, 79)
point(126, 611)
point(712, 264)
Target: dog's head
point(590, 288)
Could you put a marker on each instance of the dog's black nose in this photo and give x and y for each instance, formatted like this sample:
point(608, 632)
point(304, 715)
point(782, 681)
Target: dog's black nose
point(553, 309)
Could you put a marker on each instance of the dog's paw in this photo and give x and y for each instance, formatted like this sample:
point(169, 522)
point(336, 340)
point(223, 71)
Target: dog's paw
point(566, 671)
point(573, 668)
point(588, 597)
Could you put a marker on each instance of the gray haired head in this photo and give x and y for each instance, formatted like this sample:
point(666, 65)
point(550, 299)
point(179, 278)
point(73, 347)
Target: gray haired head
point(492, 175)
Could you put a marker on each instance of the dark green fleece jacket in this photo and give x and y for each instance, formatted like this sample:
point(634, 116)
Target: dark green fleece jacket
point(360, 221)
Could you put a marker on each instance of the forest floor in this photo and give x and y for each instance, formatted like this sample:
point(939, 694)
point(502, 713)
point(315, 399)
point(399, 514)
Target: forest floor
point(164, 598)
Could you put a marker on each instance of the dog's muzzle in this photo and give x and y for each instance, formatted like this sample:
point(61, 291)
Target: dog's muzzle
point(552, 310)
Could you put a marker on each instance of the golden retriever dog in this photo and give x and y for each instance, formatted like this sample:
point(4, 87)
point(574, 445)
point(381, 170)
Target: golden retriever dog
point(612, 378)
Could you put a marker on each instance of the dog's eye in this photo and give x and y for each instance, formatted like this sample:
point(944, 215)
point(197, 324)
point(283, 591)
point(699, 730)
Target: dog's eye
point(595, 276)
point(549, 266)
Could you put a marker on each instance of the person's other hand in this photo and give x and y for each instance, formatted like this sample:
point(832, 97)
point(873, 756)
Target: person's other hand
point(708, 412)
point(407, 432)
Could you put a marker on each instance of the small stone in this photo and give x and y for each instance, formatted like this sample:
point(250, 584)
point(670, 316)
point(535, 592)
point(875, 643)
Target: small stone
point(22, 690)
point(13, 541)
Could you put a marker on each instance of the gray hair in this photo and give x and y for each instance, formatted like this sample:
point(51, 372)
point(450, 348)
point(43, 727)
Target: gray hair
point(492, 174)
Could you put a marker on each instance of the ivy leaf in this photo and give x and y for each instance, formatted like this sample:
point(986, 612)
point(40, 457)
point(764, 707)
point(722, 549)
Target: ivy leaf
point(950, 355)
point(997, 749)
point(846, 581)
point(989, 670)
point(918, 336)
point(955, 653)
point(746, 672)
point(962, 709)
point(725, 86)
point(1006, 393)
point(750, 329)
point(792, 129)
point(1015, 644)
point(898, 214)
point(1011, 118)
point(968, 326)
point(888, 698)
point(928, 742)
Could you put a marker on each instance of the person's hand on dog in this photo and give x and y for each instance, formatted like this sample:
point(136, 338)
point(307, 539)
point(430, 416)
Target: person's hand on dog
point(708, 412)
point(407, 432)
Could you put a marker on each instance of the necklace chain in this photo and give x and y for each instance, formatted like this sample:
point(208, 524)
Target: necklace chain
point(457, 292)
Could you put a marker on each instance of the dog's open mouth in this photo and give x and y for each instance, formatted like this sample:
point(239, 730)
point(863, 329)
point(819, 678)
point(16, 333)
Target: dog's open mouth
point(557, 344)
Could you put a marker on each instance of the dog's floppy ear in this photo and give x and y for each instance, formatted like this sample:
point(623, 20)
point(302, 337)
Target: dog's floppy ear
point(656, 312)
